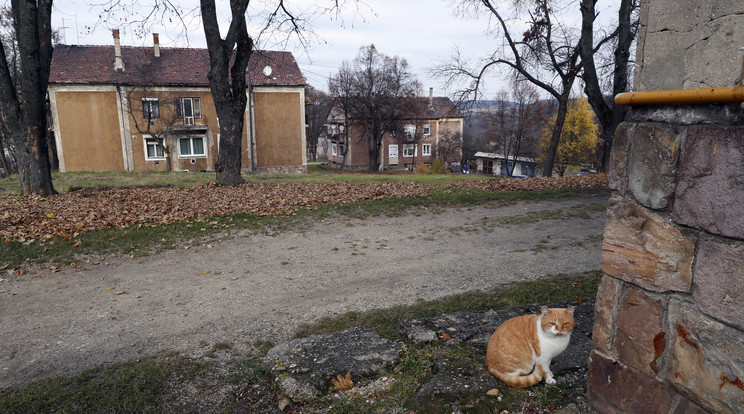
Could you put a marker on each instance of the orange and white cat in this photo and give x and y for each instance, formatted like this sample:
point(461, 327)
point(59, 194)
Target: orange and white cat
point(520, 351)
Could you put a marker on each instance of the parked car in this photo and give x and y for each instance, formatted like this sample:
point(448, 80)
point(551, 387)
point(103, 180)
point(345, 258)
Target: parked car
point(455, 170)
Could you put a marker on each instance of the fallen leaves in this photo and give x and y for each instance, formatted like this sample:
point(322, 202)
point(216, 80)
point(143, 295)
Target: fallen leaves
point(536, 183)
point(65, 216)
point(342, 383)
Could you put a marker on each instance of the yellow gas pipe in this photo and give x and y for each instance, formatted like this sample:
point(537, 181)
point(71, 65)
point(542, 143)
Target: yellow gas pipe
point(682, 96)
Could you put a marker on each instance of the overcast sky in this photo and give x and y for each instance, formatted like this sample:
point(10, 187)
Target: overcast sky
point(424, 32)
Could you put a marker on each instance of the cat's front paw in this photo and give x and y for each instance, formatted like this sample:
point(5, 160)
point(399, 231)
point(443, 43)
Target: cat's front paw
point(550, 381)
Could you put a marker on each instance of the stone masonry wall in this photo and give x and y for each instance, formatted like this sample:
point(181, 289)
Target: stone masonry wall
point(669, 323)
point(669, 316)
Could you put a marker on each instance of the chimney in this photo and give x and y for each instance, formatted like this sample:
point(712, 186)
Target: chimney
point(156, 44)
point(431, 98)
point(118, 65)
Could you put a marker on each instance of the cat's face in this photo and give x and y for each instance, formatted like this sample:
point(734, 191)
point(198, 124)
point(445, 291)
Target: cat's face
point(557, 321)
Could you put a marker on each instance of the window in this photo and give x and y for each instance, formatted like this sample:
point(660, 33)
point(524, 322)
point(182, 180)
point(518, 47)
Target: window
point(191, 147)
point(341, 148)
point(410, 131)
point(392, 151)
point(188, 108)
point(153, 151)
point(409, 150)
point(425, 149)
point(427, 130)
point(150, 108)
point(334, 149)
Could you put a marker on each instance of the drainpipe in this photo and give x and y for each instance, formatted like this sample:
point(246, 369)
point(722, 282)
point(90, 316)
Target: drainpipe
point(682, 96)
point(252, 121)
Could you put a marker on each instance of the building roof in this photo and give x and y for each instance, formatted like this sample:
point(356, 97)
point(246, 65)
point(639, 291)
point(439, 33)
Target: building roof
point(74, 64)
point(442, 107)
point(415, 108)
point(494, 156)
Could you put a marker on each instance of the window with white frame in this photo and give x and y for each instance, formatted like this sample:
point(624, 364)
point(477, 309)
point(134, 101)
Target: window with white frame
point(341, 148)
point(425, 149)
point(150, 108)
point(191, 147)
point(427, 129)
point(334, 149)
point(188, 109)
point(409, 150)
point(410, 131)
point(153, 150)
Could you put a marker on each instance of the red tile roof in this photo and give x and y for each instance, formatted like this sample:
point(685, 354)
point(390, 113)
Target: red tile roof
point(441, 107)
point(74, 64)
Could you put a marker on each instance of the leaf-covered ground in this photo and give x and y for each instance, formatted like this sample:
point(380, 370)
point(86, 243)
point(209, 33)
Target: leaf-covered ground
point(23, 218)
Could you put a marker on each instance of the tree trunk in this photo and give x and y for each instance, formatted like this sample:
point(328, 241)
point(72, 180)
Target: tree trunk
point(372, 151)
point(228, 84)
point(555, 139)
point(4, 169)
point(609, 115)
point(52, 144)
point(27, 118)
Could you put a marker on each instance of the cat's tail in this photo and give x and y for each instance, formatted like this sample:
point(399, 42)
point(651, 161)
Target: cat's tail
point(520, 381)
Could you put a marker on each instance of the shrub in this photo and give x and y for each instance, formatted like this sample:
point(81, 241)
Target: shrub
point(423, 169)
point(438, 167)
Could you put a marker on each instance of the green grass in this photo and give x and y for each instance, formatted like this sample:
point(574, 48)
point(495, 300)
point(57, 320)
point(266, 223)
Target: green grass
point(562, 288)
point(72, 181)
point(123, 387)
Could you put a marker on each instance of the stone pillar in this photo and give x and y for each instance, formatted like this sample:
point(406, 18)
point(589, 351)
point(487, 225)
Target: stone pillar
point(669, 323)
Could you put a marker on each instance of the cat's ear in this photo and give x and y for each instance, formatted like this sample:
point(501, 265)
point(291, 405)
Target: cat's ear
point(544, 310)
point(570, 310)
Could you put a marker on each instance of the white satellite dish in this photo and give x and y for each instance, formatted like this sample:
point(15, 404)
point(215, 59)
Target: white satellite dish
point(267, 71)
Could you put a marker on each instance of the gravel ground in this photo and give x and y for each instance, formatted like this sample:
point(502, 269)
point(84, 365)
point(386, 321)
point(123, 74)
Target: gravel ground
point(262, 287)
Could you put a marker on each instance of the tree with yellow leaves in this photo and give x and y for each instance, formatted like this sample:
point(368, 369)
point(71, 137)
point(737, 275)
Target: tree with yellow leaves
point(579, 138)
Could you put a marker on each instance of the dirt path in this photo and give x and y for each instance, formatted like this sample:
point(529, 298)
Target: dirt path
point(263, 287)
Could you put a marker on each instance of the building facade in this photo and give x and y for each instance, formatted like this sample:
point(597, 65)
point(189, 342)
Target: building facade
point(120, 108)
point(414, 137)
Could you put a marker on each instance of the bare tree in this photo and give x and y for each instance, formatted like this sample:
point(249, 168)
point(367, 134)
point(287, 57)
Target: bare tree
point(517, 122)
point(24, 109)
point(450, 149)
point(546, 55)
point(316, 116)
point(608, 114)
point(409, 130)
point(155, 115)
point(341, 87)
point(373, 93)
